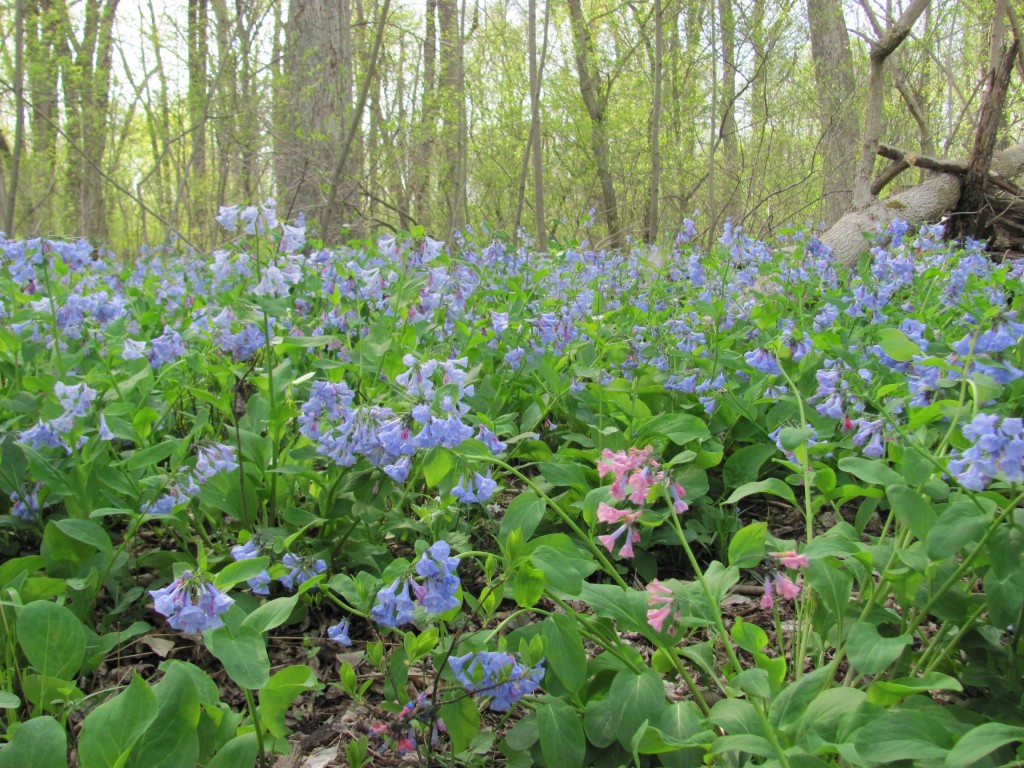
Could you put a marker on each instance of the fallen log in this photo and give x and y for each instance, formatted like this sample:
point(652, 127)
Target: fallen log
point(928, 201)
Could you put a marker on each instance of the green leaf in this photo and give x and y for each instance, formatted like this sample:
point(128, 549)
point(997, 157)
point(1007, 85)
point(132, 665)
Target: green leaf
point(8, 700)
point(52, 639)
point(870, 471)
point(901, 735)
point(527, 585)
point(279, 693)
point(524, 513)
point(37, 743)
point(750, 637)
point(462, 720)
point(772, 486)
point(599, 722)
point(744, 466)
point(897, 345)
point(870, 652)
point(792, 438)
point(792, 702)
point(239, 571)
point(960, 524)
point(271, 614)
point(560, 730)
point(912, 509)
point(981, 741)
point(566, 658)
point(244, 655)
point(172, 741)
point(746, 549)
point(436, 465)
point(680, 428)
point(240, 751)
point(87, 532)
point(149, 457)
point(112, 729)
point(637, 698)
point(886, 693)
point(565, 475)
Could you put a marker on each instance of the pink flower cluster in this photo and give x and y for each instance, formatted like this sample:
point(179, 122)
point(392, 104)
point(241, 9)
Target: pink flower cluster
point(634, 473)
point(660, 606)
point(781, 584)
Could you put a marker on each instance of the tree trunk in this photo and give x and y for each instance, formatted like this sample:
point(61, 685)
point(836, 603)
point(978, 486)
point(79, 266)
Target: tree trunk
point(451, 98)
point(535, 134)
point(837, 113)
point(659, 45)
point(595, 99)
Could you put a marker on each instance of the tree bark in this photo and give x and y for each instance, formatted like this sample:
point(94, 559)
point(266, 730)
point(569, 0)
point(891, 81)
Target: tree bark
point(880, 51)
point(536, 144)
point(595, 99)
point(837, 114)
point(659, 46)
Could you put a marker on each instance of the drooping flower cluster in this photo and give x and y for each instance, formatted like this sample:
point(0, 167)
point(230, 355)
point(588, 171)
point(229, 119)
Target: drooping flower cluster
point(436, 594)
point(661, 605)
point(76, 399)
point(211, 461)
point(191, 603)
point(499, 675)
point(635, 474)
point(997, 452)
point(780, 583)
point(339, 633)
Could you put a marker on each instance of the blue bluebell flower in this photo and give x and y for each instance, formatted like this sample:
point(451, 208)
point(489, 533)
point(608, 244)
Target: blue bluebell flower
point(339, 633)
point(302, 570)
point(499, 675)
point(394, 607)
point(191, 603)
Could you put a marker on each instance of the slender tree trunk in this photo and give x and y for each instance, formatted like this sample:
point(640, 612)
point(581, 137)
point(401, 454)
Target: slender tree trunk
point(837, 115)
point(42, 32)
point(536, 141)
point(880, 51)
point(19, 115)
point(423, 155)
point(595, 99)
point(452, 103)
point(727, 132)
point(659, 44)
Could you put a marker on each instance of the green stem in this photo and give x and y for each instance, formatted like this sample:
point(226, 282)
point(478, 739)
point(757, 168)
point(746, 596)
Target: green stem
point(258, 727)
point(587, 541)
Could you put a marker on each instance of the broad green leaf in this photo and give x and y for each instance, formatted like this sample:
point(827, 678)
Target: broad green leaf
point(436, 465)
point(112, 729)
point(897, 345)
point(243, 654)
point(8, 700)
point(980, 741)
point(870, 471)
point(792, 438)
point(888, 692)
point(38, 743)
point(790, 705)
point(599, 722)
point(52, 639)
point(527, 585)
point(960, 524)
point(902, 735)
point(743, 742)
point(566, 658)
point(749, 637)
point(744, 465)
point(772, 486)
point(870, 652)
point(636, 698)
point(746, 549)
point(524, 512)
point(462, 720)
point(172, 741)
point(240, 751)
point(87, 532)
point(271, 614)
point(912, 509)
point(279, 693)
point(560, 729)
point(680, 428)
point(239, 571)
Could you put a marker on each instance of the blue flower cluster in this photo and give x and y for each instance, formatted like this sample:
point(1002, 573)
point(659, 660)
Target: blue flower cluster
point(211, 461)
point(344, 432)
point(496, 674)
point(436, 594)
point(191, 603)
point(76, 399)
point(997, 452)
